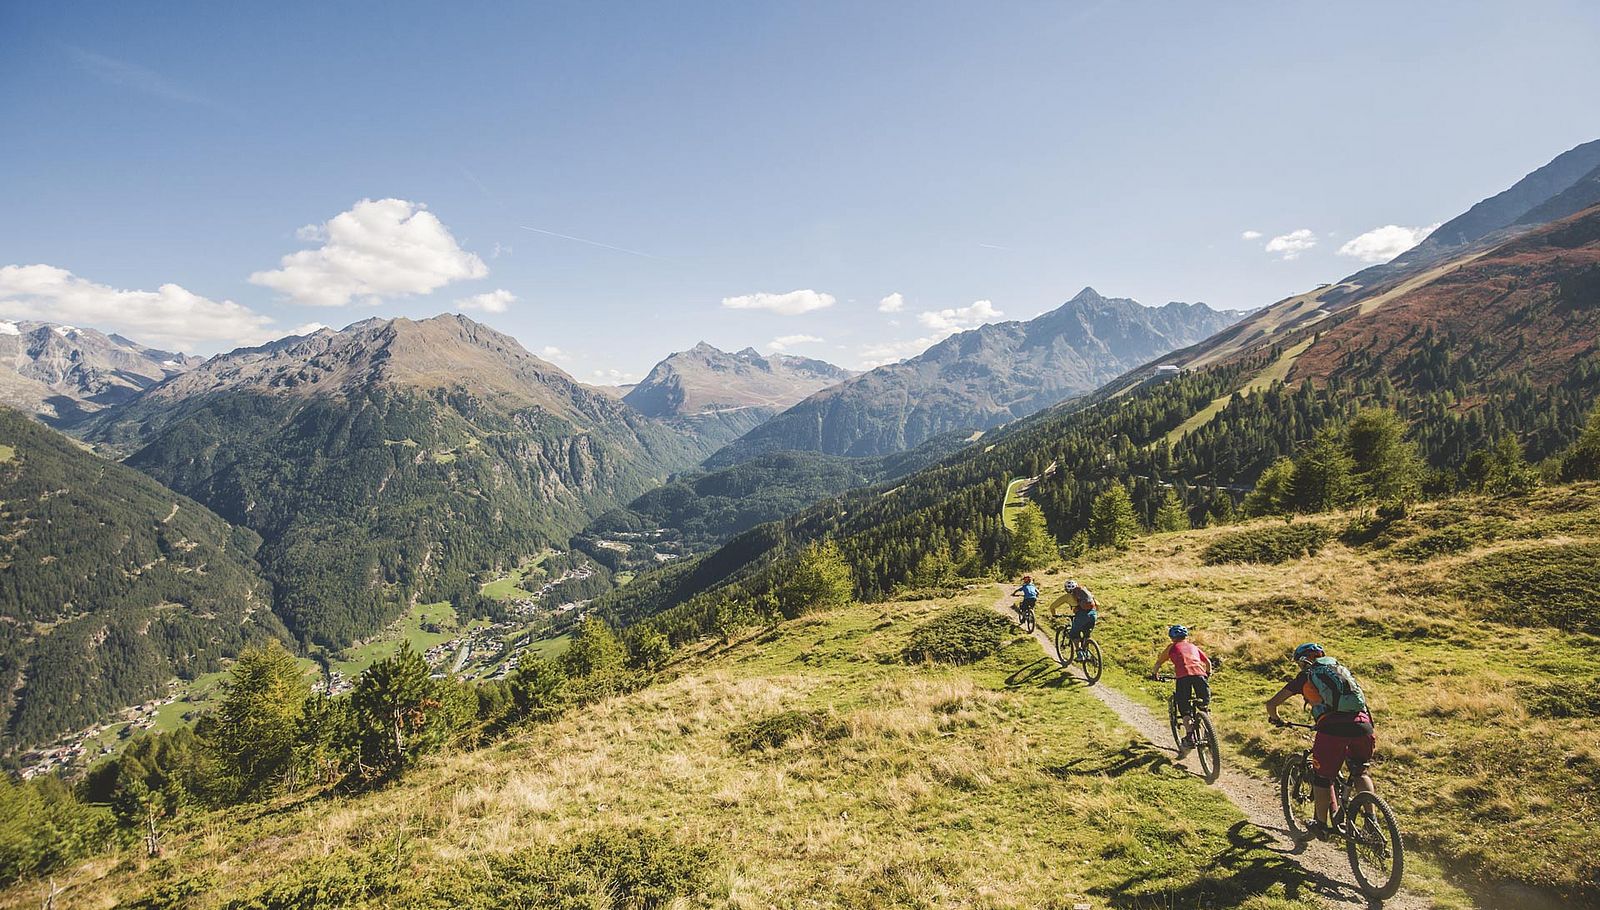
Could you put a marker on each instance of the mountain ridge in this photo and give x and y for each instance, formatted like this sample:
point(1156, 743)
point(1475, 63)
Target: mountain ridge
point(705, 379)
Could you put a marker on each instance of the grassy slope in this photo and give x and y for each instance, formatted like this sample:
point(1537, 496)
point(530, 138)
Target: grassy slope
point(995, 786)
point(1276, 371)
point(1453, 673)
point(1014, 501)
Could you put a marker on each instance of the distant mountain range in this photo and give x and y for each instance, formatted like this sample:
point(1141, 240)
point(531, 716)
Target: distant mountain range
point(392, 460)
point(705, 379)
point(981, 378)
point(62, 373)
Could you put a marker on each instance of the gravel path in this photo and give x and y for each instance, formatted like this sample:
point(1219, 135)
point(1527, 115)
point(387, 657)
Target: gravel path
point(1326, 864)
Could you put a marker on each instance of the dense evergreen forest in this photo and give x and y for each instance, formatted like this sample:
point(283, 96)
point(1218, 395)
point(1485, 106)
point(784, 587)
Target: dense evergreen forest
point(110, 585)
point(948, 515)
point(369, 500)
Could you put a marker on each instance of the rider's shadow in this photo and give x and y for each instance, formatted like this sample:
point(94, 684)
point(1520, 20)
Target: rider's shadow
point(1132, 757)
point(1043, 673)
point(1248, 866)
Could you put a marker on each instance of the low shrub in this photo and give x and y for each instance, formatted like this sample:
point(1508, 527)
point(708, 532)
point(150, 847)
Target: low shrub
point(1562, 698)
point(1442, 542)
point(959, 635)
point(1552, 585)
point(774, 730)
point(1270, 545)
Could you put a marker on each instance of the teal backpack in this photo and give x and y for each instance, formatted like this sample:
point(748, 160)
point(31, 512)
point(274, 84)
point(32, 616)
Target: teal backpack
point(1339, 690)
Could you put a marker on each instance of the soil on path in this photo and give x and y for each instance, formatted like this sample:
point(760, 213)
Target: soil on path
point(1326, 864)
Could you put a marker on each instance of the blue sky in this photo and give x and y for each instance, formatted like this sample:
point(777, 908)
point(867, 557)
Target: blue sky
point(603, 179)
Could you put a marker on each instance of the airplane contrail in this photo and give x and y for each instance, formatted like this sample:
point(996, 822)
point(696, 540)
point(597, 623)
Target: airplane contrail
point(604, 246)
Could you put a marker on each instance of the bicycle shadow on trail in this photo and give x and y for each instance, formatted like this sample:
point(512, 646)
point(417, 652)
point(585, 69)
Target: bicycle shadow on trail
point(1247, 867)
point(1042, 673)
point(1135, 756)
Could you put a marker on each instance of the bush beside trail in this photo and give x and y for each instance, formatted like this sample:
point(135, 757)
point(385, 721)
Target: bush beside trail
point(1271, 545)
point(959, 635)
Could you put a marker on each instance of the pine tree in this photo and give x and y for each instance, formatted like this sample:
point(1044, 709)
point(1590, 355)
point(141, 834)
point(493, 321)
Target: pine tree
point(1582, 461)
point(1274, 492)
point(1509, 473)
point(1322, 475)
point(397, 710)
point(1031, 546)
point(595, 650)
point(1388, 468)
point(259, 718)
point(1111, 519)
point(1171, 515)
point(820, 580)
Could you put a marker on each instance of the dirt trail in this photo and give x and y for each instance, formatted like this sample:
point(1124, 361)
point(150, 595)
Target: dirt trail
point(1326, 864)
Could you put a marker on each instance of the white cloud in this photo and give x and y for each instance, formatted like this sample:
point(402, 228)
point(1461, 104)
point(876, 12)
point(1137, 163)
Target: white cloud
point(1250, 235)
point(615, 377)
point(1292, 244)
point(1385, 243)
point(958, 318)
point(169, 317)
point(492, 302)
point(893, 303)
point(876, 355)
point(380, 247)
point(551, 352)
point(791, 304)
point(310, 328)
point(785, 342)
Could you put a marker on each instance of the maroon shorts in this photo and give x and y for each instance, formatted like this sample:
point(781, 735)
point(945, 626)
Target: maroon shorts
point(1329, 753)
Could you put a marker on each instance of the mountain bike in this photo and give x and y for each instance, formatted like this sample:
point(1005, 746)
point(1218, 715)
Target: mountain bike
point(1086, 652)
point(1205, 732)
point(1367, 824)
point(1026, 615)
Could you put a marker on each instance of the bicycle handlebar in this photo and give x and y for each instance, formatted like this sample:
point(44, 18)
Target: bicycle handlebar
point(1290, 723)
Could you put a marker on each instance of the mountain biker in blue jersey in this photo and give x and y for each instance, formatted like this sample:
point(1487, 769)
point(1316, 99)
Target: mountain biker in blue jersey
point(1030, 595)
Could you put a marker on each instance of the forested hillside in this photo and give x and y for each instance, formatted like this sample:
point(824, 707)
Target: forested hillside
point(1207, 435)
point(110, 585)
point(982, 378)
point(698, 510)
point(392, 461)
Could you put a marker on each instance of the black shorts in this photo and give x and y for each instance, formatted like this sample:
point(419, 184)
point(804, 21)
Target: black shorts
point(1193, 687)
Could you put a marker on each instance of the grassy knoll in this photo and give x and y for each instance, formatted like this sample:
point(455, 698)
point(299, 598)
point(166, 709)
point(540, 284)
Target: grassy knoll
point(1471, 625)
point(7, 453)
point(808, 766)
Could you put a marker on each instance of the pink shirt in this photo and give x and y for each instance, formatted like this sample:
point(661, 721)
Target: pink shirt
point(1187, 660)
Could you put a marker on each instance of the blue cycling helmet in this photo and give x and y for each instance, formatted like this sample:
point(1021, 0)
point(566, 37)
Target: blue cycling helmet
point(1177, 632)
point(1309, 651)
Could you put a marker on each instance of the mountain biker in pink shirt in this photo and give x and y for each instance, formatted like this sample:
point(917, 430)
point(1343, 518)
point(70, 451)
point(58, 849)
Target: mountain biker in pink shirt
point(1191, 667)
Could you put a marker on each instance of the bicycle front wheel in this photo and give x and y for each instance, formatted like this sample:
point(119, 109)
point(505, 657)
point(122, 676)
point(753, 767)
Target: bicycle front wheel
point(1174, 722)
point(1294, 794)
point(1377, 855)
point(1205, 735)
point(1091, 662)
point(1064, 646)
point(1028, 621)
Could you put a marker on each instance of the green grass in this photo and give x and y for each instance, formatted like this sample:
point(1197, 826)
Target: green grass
point(622, 578)
point(444, 457)
point(197, 696)
point(7, 453)
point(1462, 677)
point(1014, 500)
point(805, 766)
point(509, 586)
point(353, 661)
point(549, 648)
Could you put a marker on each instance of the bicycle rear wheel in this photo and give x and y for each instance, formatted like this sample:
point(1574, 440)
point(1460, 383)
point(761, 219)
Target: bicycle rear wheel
point(1377, 854)
point(1294, 794)
point(1064, 645)
point(1091, 662)
point(1205, 734)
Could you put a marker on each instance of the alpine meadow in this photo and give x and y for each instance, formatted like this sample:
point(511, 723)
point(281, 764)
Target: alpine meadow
point(651, 458)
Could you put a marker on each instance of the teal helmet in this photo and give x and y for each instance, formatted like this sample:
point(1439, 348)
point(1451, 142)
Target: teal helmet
point(1309, 651)
point(1177, 632)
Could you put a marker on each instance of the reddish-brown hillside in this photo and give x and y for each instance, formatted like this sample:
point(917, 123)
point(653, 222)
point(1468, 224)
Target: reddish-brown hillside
point(1529, 305)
